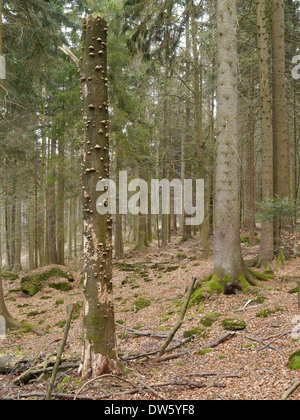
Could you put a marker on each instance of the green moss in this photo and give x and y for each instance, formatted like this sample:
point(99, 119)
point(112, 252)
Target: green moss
point(260, 299)
point(32, 284)
point(245, 239)
point(61, 324)
point(261, 276)
point(140, 304)
point(209, 319)
point(210, 284)
point(32, 314)
point(198, 332)
point(77, 310)
point(9, 275)
point(203, 352)
point(181, 256)
point(59, 302)
point(294, 361)
point(246, 287)
point(293, 291)
point(234, 324)
point(265, 313)
point(171, 268)
point(63, 287)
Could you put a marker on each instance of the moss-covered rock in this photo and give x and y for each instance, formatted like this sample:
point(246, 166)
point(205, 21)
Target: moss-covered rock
point(181, 256)
point(140, 304)
point(62, 287)
point(234, 324)
point(294, 361)
point(34, 282)
point(209, 319)
point(197, 332)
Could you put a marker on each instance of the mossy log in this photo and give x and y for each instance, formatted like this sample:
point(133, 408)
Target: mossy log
point(10, 364)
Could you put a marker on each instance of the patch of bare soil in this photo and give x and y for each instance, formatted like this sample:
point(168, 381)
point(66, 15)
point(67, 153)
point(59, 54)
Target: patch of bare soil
point(150, 288)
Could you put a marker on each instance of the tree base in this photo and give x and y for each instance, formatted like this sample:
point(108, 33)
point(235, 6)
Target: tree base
point(94, 365)
point(227, 285)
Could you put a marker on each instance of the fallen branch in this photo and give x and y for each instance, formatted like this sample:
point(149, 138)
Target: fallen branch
point(33, 372)
point(149, 388)
point(132, 331)
point(291, 390)
point(60, 352)
point(220, 340)
point(41, 395)
point(98, 379)
point(180, 319)
point(152, 353)
point(168, 357)
point(261, 342)
point(218, 375)
point(278, 338)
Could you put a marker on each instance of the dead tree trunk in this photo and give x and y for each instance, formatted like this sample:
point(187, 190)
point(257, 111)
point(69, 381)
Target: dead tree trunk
point(99, 351)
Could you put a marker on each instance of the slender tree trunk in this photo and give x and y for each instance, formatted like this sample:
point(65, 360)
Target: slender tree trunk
point(99, 349)
point(18, 231)
point(197, 87)
point(52, 223)
point(119, 247)
point(61, 203)
point(9, 321)
point(249, 165)
point(42, 212)
point(187, 229)
point(281, 141)
point(266, 249)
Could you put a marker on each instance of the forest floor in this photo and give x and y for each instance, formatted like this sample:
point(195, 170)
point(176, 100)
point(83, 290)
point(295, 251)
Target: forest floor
point(244, 368)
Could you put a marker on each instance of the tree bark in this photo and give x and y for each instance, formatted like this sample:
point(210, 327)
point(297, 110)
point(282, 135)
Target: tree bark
point(99, 350)
point(281, 140)
point(228, 261)
point(266, 250)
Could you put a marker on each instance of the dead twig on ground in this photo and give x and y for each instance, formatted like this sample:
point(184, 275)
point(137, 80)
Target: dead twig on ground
point(220, 340)
point(180, 319)
point(60, 352)
point(291, 390)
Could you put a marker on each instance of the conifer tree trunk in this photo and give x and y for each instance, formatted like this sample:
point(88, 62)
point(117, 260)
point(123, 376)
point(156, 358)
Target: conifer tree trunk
point(187, 172)
point(119, 245)
point(9, 321)
point(99, 350)
point(281, 141)
point(52, 223)
point(229, 266)
point(61, 203)
point(197, 87)
point(266, 250)
point(249, 166)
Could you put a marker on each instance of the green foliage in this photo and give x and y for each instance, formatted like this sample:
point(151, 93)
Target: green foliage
point(282, 209)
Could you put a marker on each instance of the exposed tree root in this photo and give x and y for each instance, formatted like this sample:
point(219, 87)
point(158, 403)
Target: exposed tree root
point(227, 285)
